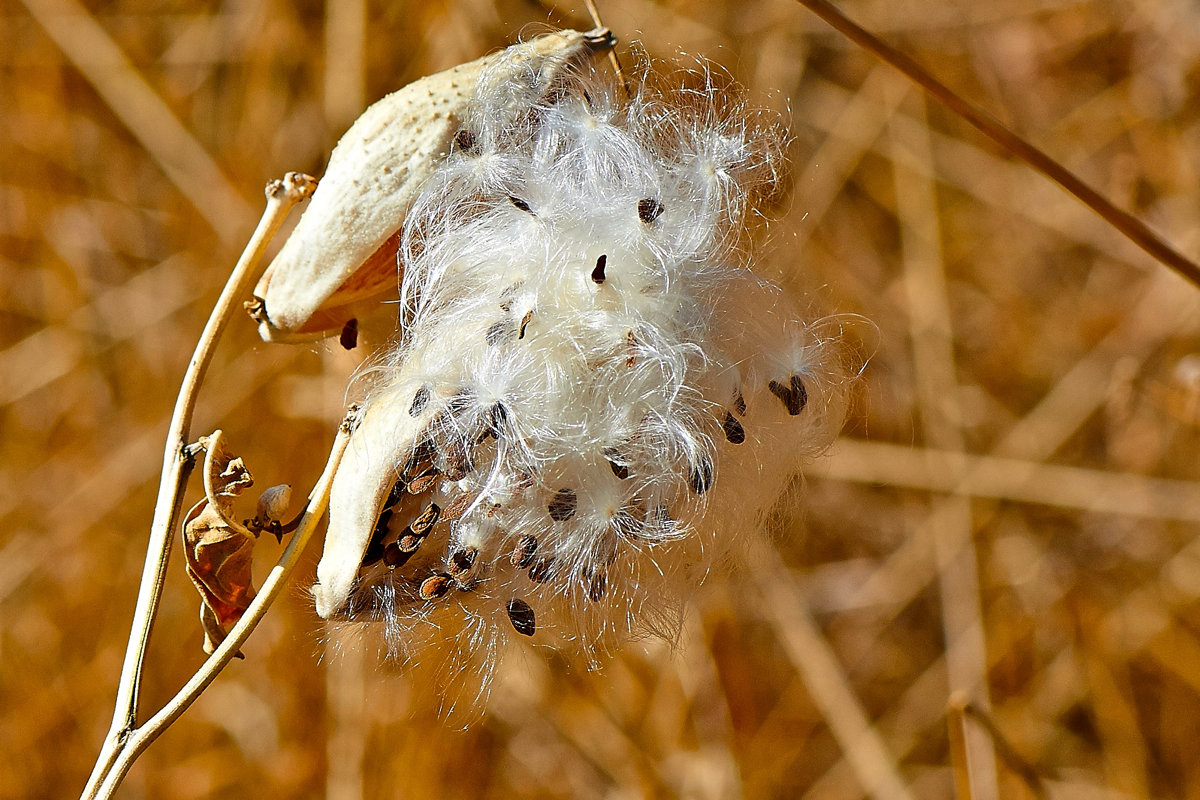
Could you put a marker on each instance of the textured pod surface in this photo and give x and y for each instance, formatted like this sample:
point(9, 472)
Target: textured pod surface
point(343, 250)
point(586, 367)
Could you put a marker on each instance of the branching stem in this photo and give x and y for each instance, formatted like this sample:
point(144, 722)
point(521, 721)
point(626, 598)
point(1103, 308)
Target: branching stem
point(177, 464)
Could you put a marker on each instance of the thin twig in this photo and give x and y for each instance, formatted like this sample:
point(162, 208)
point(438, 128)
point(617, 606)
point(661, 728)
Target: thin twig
point(281, 197)
point(140, 738)
point(960, 710)
point(594, 13)
point(1130, 226)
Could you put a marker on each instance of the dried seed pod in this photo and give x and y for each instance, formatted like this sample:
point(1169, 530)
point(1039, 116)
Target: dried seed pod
point(343, 250)
point(521, 615)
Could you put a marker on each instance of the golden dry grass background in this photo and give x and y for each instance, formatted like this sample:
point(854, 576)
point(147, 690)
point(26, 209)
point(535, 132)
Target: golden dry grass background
point(1012, 511)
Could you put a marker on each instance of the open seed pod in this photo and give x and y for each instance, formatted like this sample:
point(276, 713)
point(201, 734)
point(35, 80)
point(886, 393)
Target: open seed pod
point(592, 400)
point(341, 258)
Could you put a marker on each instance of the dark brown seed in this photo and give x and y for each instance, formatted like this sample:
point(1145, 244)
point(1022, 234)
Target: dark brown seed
point(524, 321)
point(434, 586)
point(598, 272)
point(616, 462)
point(521, 204)
point(374, 550)
point(394, 557)
point(349, 337)
point(734, 431)
point(464, 141)
point(419, 401)
point(458, 462)
point(418, 460)
point(458, 507)
point(800, 393)
point(423, 482)
point(409, 541)
point(428, 518)
point(631, 343)
point(541, 570)
point(649, 209)
point(701, 479)
point(462, 560)
point(521, 616)
point(491, 512)
point(596, 586)
point(794, 397)
point(739, 403)
point(496, 333)
point(562, 505)
point(522, 554)
point(395, 495)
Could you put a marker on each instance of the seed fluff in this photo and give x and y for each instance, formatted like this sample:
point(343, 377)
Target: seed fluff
point(589, 383)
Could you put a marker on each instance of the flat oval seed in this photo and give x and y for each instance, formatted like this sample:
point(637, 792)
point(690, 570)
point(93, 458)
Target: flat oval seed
point(394, 557)
point(562, 506)
point(799, 392)
point(349, 336)
point(434, 586)
point(701, 479)
point(734, 431)
point(522, 554)
point(419, 401)
point(649, 209)
point(596, 586)
point(541, 570)
point(428, 518)
point(522, 617)
point(462, 560)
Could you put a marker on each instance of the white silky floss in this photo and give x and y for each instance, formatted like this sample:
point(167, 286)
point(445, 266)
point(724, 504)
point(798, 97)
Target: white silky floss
point(592, 397)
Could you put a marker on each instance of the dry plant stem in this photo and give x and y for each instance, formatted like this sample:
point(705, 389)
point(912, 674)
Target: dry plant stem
point(594, 13)
point(963, 709)
point(281, 197)
point(1131, 227)
point(960, 759)
point(140, 738)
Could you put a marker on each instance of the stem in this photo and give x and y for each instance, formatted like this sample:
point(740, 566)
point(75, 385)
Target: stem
point(281, 196)
point(140, 738)
point(1130, 226)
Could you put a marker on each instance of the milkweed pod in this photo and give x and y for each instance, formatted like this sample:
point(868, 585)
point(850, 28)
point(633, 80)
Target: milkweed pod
point(364, 481)
point(342, 253)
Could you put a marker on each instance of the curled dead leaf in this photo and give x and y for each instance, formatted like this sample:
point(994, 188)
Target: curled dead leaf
point(218, 560)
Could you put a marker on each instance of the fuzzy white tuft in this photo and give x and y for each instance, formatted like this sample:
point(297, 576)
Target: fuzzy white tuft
point(586, 373)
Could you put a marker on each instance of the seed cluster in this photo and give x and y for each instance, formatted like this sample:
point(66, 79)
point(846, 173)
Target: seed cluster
point(591, 397)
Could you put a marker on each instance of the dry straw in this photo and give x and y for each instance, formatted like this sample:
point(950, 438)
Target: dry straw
point(588, 400)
